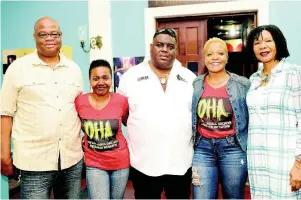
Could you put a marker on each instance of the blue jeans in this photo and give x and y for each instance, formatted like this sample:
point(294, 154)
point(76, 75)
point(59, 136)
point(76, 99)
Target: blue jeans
point(219, 160)
point(106, 184)
point(66, 183)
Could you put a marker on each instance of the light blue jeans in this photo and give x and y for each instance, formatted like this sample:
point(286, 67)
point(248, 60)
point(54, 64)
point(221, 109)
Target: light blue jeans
point(66, 184)
point(106, 184)
point(219, 160)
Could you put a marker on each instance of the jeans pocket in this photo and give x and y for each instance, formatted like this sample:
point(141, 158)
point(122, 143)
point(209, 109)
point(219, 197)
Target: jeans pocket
point(198, 139)
point(232, 141)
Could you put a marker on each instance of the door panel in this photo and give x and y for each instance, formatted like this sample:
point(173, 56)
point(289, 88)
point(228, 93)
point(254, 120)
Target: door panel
point(192, 46)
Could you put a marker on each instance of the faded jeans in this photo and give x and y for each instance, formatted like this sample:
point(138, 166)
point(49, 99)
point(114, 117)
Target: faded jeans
point(219, 160)
point(106, 184)
point(66, 183)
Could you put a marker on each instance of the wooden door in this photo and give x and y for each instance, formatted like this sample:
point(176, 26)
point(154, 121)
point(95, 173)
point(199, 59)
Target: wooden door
point(192, 35)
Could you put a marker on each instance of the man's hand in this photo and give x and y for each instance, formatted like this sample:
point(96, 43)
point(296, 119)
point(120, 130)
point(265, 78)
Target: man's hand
point(6, 160)
point(7, 166)
point(295, 176)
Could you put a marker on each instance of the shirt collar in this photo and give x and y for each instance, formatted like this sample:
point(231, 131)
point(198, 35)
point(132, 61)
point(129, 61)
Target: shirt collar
point(176, 64)
point(38, 62)
point(279, 67)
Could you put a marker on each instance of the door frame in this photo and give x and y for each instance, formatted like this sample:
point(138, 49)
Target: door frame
point(219, 8)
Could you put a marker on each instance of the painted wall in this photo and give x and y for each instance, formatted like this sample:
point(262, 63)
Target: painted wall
point(130, 41)
point(128, 27)
point(18, 18)
point(128, 30)
point(286, 15)
point(17, 21)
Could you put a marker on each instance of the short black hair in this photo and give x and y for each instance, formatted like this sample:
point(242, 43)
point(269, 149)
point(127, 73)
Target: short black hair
point(100, 63)
point(169, 31)
point(278, 37)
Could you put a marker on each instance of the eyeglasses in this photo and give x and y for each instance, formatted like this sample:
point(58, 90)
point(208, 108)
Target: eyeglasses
point(168, 31)
point(52, 35)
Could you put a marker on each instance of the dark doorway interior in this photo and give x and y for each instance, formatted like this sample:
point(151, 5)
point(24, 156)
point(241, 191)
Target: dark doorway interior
point(194, 31)
point(234, 30)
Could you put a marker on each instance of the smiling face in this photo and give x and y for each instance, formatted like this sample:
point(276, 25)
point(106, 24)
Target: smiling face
point(264, 47)
point(163, 51)
point(47, 46)
point(100, 80)
point(216, 57)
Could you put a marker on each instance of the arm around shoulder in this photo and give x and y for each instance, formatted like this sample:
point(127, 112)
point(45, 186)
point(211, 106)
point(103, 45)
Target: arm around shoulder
point(79, 78)
point(125, 112)
point(123, 83)
point(242, 80)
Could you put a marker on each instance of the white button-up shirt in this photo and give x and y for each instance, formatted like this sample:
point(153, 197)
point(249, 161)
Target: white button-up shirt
point(45, 123)
point(159, 124)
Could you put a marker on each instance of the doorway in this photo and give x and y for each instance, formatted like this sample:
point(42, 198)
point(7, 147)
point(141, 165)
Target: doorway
point(193, 32)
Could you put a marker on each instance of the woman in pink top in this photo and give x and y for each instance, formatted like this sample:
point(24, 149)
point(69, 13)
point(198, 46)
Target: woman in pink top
point(106, 152)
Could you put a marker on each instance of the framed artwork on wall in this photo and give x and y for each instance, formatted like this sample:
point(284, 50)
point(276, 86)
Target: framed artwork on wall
point(121, 65)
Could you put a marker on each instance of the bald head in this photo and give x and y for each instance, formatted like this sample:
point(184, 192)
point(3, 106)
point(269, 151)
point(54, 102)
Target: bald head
point(48, 38)
point(43, 20)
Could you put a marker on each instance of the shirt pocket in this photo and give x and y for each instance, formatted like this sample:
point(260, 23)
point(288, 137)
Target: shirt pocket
point(34, 90)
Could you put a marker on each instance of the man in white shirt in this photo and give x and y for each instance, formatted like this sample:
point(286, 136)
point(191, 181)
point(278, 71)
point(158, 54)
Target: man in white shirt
point(38, 112)
point(159, 92)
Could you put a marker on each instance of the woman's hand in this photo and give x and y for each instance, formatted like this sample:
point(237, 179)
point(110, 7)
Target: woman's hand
point(83, 143)
point(295, 176)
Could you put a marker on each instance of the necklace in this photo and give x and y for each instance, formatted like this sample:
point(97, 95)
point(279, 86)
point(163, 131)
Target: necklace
point(266, 78)
point(163, 80)
point(226, 79)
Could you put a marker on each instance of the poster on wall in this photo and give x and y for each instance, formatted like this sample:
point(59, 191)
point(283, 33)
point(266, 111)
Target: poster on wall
point(121, 65)
point(10, 56)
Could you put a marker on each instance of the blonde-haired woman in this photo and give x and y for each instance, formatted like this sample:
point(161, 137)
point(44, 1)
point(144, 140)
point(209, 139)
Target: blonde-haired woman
point(220, 127)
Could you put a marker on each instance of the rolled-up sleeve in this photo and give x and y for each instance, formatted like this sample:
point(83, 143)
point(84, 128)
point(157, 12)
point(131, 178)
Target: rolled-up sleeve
point(297, 105)
point(10, 90)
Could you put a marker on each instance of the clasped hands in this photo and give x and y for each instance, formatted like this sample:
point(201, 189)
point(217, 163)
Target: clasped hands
point(295, 177)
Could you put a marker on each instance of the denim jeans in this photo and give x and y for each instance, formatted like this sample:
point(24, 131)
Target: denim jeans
point(219, 160)
point(106, 184)
point(66, 183)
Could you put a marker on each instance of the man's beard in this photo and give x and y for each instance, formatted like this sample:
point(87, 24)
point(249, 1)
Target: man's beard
point(164, 66)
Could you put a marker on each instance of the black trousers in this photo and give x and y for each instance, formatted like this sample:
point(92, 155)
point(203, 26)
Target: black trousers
point(148, 187)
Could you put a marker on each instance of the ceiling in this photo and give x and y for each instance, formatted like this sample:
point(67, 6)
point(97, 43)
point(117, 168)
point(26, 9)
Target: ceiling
point(229, 27)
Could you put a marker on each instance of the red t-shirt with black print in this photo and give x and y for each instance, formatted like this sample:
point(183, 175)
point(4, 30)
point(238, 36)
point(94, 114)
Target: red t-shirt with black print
point(105, 146)
point(215, 114)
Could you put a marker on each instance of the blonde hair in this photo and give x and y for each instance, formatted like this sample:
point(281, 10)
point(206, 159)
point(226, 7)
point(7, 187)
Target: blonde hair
point(215, 39)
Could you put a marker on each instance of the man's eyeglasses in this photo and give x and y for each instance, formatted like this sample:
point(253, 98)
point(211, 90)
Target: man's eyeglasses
point(168, 31)
point(52, 35)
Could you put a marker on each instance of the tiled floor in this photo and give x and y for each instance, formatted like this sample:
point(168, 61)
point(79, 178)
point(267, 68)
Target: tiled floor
point(129, 194)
